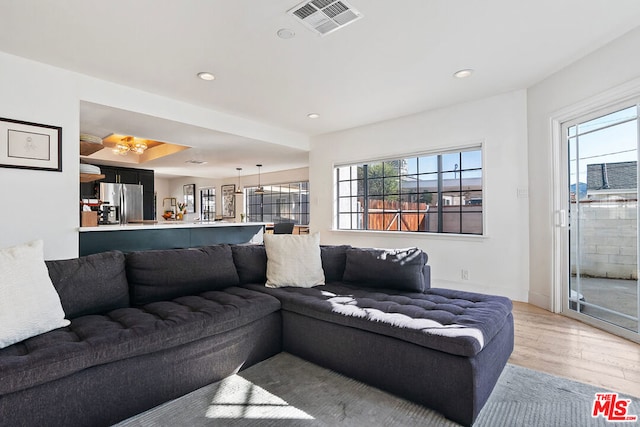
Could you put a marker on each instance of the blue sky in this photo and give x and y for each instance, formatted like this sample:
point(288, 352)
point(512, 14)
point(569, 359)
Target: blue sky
point(607, 139)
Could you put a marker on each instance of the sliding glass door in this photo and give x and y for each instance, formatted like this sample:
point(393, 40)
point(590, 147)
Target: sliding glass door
point(602, 276)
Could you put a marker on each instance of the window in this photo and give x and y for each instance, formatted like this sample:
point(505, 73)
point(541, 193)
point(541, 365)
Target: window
point(436, 193)
point(279, 203)
point(208, 204)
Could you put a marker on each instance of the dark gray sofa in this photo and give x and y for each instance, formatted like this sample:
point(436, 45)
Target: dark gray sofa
point(381, 323)
point(151, 326)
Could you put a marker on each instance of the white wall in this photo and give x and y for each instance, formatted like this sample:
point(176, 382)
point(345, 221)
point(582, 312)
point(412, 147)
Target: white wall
point(581, 82)
point(161, 186)
point(41, 204)
point(498, 262)
point(45, 205)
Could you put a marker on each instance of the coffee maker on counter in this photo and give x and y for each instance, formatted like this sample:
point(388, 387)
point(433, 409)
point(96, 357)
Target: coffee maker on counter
point(109, 214)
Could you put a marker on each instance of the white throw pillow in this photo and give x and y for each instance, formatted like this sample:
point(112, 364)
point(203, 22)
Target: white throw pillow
point(29, 304)
point(293, 260)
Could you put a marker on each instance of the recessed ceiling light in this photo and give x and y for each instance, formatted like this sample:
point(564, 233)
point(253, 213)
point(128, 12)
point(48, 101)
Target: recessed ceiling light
point(206, 76)
point(313, 115)
point(461, 74)
point(285, 33)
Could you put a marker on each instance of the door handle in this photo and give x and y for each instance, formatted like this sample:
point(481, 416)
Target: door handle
point(562, 218)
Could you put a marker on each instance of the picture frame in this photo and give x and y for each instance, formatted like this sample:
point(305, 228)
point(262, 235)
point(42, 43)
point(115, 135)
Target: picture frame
point(27, 145)
point(228, 201)
point(189, 197)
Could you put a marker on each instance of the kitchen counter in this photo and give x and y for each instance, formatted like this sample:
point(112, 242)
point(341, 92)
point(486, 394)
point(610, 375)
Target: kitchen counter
point(169, 224)
point(166, 235)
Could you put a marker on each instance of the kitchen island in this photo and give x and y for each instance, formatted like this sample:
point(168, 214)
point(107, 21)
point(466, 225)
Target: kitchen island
point(166, 235)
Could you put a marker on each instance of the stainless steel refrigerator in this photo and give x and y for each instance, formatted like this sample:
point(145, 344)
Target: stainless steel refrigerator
point(127, 198)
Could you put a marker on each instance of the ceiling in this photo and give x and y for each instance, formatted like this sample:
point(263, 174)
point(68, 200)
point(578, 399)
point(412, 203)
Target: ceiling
point(223, 152)
point(397, 60)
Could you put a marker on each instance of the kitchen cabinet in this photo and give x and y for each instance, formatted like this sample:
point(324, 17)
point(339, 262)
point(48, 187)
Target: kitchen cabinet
point(177, 234)
point(144, 177)
point(128, 176)
point(110, 174)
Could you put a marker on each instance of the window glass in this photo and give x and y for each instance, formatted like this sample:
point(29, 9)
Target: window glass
point(607, 120)
point(436, 193)
point(208, 204)
point(451, 162)
point(428, 164)
point(287, 202)
point(374, 170)
point(344, 173)
point(376, 186)
point(471, 160)
point(410, 165)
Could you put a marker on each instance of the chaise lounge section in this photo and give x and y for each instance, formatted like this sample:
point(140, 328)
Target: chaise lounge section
point(147, 327)
point(378, 321)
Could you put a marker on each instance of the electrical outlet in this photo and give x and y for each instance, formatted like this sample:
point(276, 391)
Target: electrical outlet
point(465, 274)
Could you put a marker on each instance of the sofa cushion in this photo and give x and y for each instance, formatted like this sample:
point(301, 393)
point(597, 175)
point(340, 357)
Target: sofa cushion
point(386, 268)
point(334, 259)
point(128, 332)
point(159, 275)
point(29, 304)
point(92, 284)
point(293, 260)
point(454, 322)
point(251, 263)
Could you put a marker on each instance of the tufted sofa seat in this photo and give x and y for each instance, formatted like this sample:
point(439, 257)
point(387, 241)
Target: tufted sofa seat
point(146, 327)
point(128, 332)
point(450, 321)
point(378, 320)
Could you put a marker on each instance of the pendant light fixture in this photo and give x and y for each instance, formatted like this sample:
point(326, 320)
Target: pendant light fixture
point(238, 191)
point(259, 190)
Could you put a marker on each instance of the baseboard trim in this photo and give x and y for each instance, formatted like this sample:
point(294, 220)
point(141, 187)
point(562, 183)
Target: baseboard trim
point(540, 300)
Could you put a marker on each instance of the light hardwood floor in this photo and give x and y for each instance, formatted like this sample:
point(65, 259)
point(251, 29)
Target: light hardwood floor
point(565, 347)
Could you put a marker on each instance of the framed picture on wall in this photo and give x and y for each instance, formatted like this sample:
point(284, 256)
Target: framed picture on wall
point(28, 145)
point(228, 201)
point(189, 191)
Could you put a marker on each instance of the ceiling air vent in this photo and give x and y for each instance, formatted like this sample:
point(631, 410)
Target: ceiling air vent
point(325, 16)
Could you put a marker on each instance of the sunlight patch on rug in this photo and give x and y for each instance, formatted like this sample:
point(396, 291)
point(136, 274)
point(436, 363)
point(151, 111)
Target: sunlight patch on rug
point(238, 398)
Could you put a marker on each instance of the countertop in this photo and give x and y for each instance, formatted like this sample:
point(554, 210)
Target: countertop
point(169, 224)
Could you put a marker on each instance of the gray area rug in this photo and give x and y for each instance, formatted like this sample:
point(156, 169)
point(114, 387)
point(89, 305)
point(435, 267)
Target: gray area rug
point(287, 391)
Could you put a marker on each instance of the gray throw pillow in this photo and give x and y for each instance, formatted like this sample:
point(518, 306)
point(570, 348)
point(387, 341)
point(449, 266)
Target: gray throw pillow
point(92, 284)
point(251, 263)
point(334, 259)
point(386, 268)
point(162, 275)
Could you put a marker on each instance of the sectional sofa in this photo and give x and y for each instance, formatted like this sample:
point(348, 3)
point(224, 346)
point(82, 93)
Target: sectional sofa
point(150, 326)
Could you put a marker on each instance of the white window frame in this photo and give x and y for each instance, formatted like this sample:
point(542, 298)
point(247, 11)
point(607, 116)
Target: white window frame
point(477, 146)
